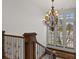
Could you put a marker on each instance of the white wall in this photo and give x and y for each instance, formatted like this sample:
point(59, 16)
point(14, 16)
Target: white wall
point(20, 16)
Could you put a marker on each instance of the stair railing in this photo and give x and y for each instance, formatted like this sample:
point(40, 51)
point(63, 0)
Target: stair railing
point(12, 46)
point(24, 47)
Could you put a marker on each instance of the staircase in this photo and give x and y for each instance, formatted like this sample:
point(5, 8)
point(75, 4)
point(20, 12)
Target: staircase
point(26, 47)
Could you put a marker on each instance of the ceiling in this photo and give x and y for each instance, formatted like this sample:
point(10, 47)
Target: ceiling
point(58, 4)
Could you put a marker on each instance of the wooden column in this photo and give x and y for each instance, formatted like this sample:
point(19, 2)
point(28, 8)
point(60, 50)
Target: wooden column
point(30, 45)
point(3, 54)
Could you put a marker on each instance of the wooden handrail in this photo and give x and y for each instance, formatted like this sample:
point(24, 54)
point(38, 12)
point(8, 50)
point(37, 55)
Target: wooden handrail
point(61, 50)
point(13, 35)
point(47, 51)
point(50, 51)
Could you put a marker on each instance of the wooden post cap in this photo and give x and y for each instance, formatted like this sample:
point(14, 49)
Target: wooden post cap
point(29, 34)
point(3, 31)
point(30, 37)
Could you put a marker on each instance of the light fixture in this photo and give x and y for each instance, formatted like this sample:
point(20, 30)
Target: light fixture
point(51, 18)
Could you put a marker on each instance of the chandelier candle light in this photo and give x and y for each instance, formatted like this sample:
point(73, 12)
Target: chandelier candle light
point(51, 18)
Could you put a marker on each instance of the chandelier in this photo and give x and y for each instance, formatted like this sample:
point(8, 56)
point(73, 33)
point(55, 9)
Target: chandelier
point(51, 18)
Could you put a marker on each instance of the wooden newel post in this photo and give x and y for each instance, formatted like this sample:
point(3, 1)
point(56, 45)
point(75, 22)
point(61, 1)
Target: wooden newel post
point(30, 45)
point(3, 54)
